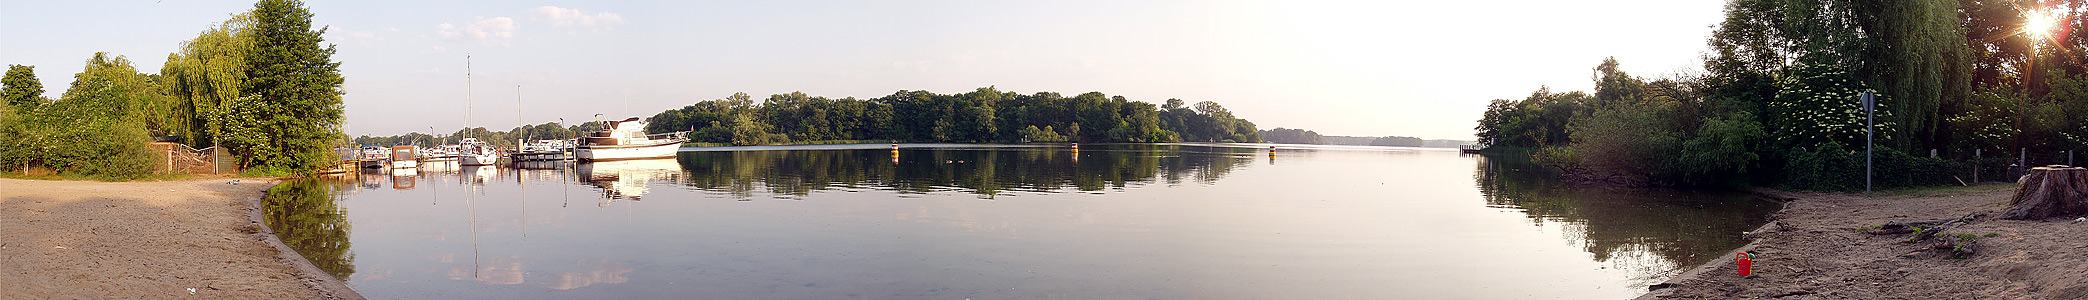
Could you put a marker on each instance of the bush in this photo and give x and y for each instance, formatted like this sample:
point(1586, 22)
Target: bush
point(1831, 167)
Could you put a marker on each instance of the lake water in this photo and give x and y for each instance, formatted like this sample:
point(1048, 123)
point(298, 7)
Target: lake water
point(1004, 222)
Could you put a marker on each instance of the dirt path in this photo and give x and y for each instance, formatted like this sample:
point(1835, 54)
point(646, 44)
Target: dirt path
point(144, 240)
point(1817, 250)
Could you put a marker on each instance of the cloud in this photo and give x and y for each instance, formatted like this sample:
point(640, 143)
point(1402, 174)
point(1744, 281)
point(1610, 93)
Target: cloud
point(574, 17)
point(437, 49)
point(490, 30)
point(346, 36)
point(427, 71)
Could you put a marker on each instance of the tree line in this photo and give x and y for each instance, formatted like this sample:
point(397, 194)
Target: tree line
point(1778, 101)
point(502, 139)
point(982, 115)
point(259, 84)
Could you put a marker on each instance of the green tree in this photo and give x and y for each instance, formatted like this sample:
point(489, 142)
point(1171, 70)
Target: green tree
point(207, 76)
point(291, 110)
point(94, 129)
point(22, 90)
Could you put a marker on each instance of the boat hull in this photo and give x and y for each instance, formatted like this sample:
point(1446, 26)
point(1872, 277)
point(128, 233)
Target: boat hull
point(667, 148)
point(477, 160)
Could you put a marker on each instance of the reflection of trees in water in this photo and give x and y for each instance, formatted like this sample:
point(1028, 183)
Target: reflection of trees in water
point(986, 172)
point(1647, 232)
point(304, 215)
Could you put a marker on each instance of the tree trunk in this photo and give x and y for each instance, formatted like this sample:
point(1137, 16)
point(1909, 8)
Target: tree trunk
point(2048, 192)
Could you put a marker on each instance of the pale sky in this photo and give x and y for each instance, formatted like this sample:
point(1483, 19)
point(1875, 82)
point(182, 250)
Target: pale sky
point(1361, 68)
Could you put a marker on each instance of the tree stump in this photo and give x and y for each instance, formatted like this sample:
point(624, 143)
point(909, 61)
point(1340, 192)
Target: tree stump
point(2048, 192)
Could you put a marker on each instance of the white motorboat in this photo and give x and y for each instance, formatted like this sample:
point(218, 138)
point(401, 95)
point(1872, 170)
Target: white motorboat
point(627, 140)
point(472, 152)
point(439, 153)
point(372, 157)
point(404, 157)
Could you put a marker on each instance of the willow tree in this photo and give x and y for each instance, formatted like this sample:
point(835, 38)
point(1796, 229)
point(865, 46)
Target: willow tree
point(290, 112)
point(207, 75)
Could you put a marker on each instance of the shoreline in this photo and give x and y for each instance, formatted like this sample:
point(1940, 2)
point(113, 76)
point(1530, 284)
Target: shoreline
point(150, 239)
point(1815, 248)
point(326, 284)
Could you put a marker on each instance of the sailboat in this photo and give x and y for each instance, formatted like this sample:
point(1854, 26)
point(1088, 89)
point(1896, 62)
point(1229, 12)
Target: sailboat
point(471, 151)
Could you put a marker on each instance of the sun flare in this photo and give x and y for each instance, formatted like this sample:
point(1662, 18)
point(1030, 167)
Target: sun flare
point(2040, 24)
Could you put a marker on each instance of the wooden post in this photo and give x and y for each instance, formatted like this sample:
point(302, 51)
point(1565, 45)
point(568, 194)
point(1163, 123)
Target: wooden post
point(1975, 165)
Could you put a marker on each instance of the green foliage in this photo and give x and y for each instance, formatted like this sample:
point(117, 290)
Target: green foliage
point(1033, 134)
point(305, 216)
point(982, 115)
point(92, 130)
point(1820, 105)
point(290, 111)
point(207, 75)
point(1951, 76)
point(22, 91)
point(1534, 122)
point(1830, 167)
point(1281, 135)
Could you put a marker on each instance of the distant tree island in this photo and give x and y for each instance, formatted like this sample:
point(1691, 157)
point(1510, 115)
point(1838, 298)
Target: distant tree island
point(1282, 135)
point(984, 115)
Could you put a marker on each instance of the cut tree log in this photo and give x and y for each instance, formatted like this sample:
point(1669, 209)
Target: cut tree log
point(2049, 192)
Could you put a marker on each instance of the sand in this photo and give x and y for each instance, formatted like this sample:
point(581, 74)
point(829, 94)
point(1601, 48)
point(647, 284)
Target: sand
point(1816, 250)
point(147, 240)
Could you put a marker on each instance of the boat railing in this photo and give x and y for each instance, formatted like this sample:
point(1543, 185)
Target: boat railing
point(673, 135)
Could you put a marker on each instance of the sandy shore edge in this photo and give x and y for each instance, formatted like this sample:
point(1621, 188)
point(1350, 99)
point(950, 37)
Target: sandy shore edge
point(201, 237)
point(326, 284)
point(1819, 247)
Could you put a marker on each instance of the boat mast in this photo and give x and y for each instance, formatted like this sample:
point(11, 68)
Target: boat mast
point(518, 118)
point(467, 95)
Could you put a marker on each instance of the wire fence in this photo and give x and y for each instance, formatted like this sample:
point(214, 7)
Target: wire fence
point(176, 158)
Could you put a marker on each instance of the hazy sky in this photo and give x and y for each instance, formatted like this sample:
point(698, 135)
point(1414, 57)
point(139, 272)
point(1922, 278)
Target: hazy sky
point(1367, 68)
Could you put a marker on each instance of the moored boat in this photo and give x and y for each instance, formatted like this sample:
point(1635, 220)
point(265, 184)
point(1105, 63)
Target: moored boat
point(626, 139)
point(472, 152)
point(404, 157)
point(371, 157)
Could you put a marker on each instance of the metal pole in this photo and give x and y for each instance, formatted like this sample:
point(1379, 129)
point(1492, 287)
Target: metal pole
point(1869, 123)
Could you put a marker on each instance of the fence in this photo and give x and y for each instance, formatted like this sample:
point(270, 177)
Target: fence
point(178, 158)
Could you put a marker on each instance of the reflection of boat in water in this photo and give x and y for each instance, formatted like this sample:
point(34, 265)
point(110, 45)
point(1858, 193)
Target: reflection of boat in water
point(628, 178)
point(479, 174)
point(542, 164)
point(438, 166)
point(403, 178)
point(370, 178)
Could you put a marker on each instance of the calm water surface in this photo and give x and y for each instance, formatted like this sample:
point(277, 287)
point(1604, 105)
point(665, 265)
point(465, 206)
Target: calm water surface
point(1004, 222)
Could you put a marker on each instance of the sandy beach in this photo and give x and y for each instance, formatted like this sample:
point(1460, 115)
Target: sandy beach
point(147, 240)
point(1817, 249)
